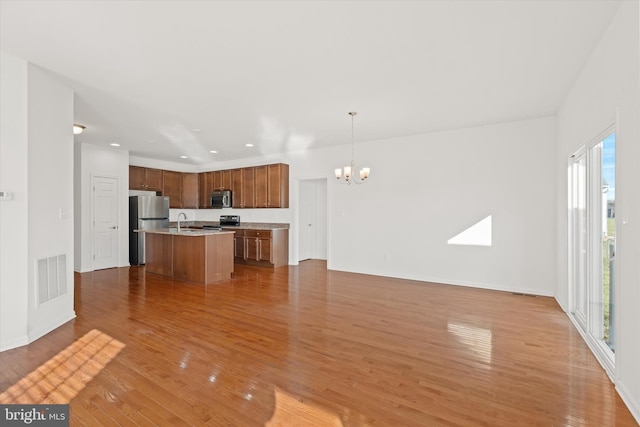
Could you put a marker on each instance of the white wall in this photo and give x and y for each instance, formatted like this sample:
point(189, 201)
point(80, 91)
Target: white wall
point(91, 160)
point(425, 189)
point(607, 91)
point(50, 188)
point(37, 165)
point(13, 214)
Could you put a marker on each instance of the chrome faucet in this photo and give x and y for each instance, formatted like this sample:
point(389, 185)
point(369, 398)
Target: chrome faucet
point(185, 218)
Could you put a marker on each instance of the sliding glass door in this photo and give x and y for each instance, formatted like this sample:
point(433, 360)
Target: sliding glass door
point(579, 249)
point(608, 235)
point(592, 246)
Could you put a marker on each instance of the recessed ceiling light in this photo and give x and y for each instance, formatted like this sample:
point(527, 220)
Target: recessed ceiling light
point(213, 152)
point(78, 129)
point(196, 130)
point(184, 157)
point(115, 144)
point(248, 145)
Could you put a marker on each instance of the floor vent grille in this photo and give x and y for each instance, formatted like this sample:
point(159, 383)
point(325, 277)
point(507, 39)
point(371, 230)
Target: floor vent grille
point(52, 277)
point(520, 294)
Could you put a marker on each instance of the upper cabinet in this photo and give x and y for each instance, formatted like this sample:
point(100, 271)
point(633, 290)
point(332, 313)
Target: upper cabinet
point(221, 180)
point(145, 179)
point(205, 186)
point(272, 186)
point(236, 188)
point(242, 188)
point(264, 186)
point(189, 190)
point(172, 187)
point(248, 188)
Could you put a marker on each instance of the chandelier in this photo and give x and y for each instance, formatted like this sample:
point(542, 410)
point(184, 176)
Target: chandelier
point(345, 175)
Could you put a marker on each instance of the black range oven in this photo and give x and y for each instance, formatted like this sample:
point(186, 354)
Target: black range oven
point(230, 220)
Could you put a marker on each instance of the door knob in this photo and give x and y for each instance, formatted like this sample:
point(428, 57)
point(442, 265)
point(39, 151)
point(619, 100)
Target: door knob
point(114, 227)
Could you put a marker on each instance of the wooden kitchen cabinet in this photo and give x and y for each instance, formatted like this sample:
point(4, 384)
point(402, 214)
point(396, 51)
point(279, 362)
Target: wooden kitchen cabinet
point(268, 248)
point(159, 253)
point(147, 179)
point(205, 186)
point(258, 245)
point(248, 188)
point(236, 188)
point(189, 190)
point(242, 188)
point(272, 186)
point(264, 186)
point(221, 180)
point(181, 188)
point(137, 179)
point(261, 186)
point(172, 187)
point(238, 245)
point(202, 259)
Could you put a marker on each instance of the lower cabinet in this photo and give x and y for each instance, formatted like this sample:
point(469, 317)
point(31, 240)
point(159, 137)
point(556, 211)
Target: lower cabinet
point(258, 243)
point(194, 258)
point(238, 246)
point(267, 248)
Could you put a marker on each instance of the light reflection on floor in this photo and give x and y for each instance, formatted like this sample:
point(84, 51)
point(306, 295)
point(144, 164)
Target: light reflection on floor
point(62, 377)
point(291, 411)
point(478, 340)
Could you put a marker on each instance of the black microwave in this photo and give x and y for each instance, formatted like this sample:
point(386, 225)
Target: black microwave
point(221, 199)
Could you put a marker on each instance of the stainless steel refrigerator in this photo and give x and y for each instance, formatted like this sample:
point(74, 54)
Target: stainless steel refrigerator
point(145, 213)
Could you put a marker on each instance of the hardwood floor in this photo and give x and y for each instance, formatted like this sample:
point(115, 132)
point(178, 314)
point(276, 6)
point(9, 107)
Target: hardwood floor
point(306, 346)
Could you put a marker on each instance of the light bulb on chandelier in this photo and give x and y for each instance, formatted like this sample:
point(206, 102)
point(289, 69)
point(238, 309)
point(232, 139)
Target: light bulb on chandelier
point(349, 170)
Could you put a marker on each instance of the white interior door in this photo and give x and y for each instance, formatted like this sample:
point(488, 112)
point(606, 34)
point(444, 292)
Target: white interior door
point(105, 222)
point(313, 219)
point(307, 220)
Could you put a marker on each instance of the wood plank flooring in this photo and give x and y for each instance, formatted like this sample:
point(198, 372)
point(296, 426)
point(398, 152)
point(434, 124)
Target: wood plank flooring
point(307, 346)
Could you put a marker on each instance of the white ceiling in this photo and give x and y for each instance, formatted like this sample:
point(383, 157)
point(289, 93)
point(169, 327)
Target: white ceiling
point(283, 75)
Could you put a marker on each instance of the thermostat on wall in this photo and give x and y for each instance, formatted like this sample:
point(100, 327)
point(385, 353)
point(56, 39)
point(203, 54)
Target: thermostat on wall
point(6, 195)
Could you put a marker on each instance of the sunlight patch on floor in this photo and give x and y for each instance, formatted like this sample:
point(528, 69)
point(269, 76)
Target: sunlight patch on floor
point(62, 377)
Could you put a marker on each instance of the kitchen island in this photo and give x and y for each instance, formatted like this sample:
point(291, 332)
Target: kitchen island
point(257, 243)
point(199, 256)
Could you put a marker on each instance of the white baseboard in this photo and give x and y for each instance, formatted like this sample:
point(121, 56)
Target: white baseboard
point(34, 335)
point(562, 306)
point(14, 343)
point(61, 320)
point(439, 281)
point(634, 407)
